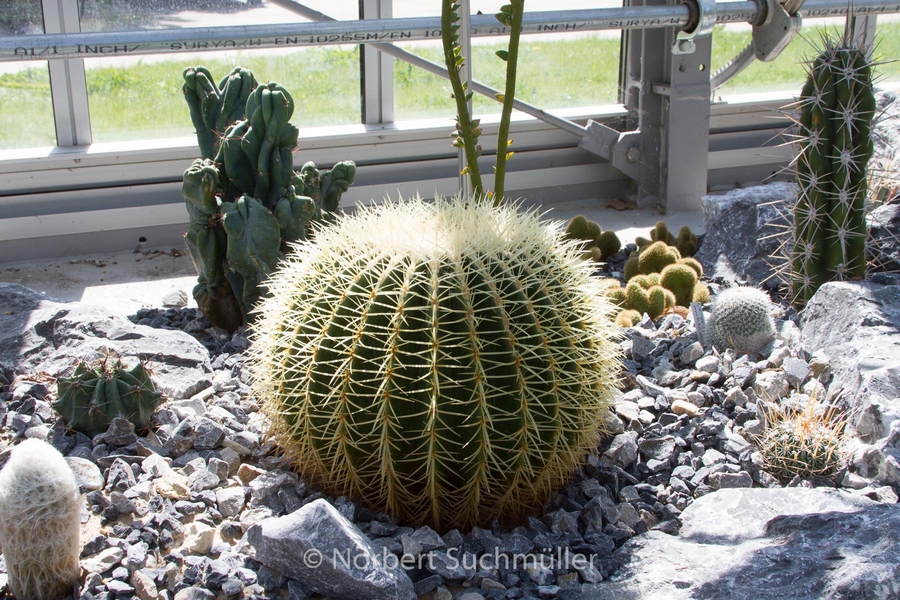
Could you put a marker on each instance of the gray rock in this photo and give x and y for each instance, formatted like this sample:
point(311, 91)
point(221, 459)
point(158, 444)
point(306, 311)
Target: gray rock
point(730, 480)
point(87, 474)
point(660, 448)
point(209, 434)
point(325, 551)
point(884, 226)
point(623, 449)
point(796, 370)
point(767, 544)
point(175, 299)
point(120, 432)
point(857, 326)
point(738, 245)
point(38, 334)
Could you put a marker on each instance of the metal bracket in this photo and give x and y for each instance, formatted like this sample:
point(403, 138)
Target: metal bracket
point(779, 27)
point(621, 149)
point(703, 19)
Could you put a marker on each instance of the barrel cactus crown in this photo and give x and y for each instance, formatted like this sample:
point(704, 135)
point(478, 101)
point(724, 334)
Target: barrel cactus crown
point(741, 319)
point(447, 362)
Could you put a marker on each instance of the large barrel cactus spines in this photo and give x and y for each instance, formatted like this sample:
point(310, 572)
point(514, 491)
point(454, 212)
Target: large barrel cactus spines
point(101, 390)
point(837, 105)
point(447, 362)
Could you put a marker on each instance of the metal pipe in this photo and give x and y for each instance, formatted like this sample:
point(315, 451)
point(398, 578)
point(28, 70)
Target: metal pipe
point(288, 35)
point(293, 35)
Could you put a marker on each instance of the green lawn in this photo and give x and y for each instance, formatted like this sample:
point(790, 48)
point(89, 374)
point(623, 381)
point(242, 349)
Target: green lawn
point(145, 100)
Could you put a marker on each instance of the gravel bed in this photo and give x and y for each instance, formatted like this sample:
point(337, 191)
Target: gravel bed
point(166, 508)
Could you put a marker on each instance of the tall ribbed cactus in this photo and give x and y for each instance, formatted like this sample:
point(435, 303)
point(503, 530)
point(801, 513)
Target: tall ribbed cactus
point(447, 362)
point(836, 109)
point(246, 203)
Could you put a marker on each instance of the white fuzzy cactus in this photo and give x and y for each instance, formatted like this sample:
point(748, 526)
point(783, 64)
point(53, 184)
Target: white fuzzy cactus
point(40, 510)
point(741, 319)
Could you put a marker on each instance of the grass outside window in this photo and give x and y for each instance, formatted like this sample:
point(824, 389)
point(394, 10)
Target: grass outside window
point(143, 100)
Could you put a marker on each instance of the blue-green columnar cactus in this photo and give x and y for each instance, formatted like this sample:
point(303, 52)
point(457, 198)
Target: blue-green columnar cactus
point(837, 105)
point(102, 390)
point(246, 203)
point(447, 362)
point(741, 319)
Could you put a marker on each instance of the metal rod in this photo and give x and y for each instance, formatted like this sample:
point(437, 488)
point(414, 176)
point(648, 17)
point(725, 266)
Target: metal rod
point(294, 35)
point(288, 35)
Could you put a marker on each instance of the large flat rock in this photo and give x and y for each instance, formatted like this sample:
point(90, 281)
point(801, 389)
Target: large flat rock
point(40, 334)
point(767, 544)
point(857, 325)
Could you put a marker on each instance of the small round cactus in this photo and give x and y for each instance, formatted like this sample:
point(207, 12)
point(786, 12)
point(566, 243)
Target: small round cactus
point(448, 362)
point(741, 319)
point(103, 389)
point(609, 243)
point(40, 510)
point(628, 318)
point(655, 257)
point(686, 242)
point(680, 279)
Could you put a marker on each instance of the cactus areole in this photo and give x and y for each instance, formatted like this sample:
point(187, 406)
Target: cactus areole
point(449, 363)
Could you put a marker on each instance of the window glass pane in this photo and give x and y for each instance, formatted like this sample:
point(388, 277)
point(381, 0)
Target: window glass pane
point(554, 70)
point(26, 120)
point(21, 17)
point(140, 97)
point(788, 71)
point(887, 49)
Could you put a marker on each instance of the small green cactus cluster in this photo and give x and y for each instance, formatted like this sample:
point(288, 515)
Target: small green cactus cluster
point(597, 245)
point(102, 390)
point(245, 201)
point(449, 363)
point(837, 105)
point(658, 279)
point(40, 523)
point(803, 442)
point(685, 241)
point(741, 319)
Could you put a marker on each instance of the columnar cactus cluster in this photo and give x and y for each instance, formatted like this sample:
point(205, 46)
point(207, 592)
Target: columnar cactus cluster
point(102, 390)
point(448, 362)
point(837, 105)
point(246, 203)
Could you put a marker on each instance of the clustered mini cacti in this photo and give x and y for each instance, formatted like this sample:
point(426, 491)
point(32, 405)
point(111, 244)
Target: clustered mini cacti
point(658, 277)
point(598, 245)
point(741, 319)
point(448, 362)
point(246, 203)
point(685, 241)
point(40, 522)
point(102, 390)
point(837, 105)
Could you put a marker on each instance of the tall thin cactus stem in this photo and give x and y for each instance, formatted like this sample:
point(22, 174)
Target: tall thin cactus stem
point(511, 16)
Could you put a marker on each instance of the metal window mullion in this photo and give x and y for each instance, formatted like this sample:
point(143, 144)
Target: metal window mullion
point(377, 70)
point(68, 87)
